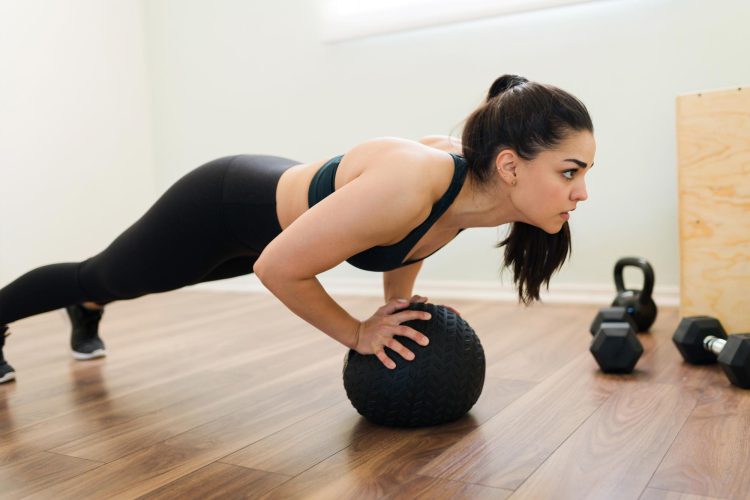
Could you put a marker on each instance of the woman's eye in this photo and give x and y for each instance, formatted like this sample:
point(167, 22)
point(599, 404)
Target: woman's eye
point(568, 174)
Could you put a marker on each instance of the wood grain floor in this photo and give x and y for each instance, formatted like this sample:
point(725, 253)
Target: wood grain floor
point(208, 395)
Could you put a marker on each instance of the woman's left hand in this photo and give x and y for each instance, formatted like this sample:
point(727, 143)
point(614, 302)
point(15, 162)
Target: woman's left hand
point(419, 298)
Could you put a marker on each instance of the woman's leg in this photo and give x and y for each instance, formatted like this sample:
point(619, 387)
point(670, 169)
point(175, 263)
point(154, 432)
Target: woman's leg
point(182, 238)
point(211, 224)
point(43, 289)
point(238, 266)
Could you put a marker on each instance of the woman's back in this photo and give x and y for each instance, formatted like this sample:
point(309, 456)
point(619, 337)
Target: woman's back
point(420, 170)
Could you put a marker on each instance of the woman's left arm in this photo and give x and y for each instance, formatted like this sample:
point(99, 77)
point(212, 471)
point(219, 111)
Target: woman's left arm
point(399, 283)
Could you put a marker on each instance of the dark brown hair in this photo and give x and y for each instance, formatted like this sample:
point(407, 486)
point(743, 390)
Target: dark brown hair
point(527, 117)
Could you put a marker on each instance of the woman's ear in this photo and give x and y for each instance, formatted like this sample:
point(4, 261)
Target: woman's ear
point(505, 163)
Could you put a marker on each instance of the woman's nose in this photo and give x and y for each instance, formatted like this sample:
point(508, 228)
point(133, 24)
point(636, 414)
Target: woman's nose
point(580, 193)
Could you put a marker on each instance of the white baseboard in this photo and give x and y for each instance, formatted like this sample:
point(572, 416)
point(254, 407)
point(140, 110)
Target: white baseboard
point(597, 294)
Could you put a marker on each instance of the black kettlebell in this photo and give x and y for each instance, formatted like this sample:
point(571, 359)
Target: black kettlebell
point(638, 303)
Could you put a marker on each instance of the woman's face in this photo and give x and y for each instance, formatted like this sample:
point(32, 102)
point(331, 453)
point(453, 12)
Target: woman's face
point(550, 186)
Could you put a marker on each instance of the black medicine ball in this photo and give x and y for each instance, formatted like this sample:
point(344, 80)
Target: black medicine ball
point(440, 385)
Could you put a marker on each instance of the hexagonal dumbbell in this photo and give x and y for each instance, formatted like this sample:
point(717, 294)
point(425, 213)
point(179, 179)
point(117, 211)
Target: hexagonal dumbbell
point(615, 346)
point(702, 340)
point(611, 315)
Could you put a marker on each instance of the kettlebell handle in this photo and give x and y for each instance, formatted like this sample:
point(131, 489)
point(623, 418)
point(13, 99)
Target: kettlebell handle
point(648, 276)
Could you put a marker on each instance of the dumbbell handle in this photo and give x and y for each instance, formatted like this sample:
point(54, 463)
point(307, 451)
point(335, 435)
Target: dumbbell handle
point(714, 344)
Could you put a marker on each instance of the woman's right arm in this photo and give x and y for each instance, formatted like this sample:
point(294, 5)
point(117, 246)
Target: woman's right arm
point(307, 298)
point(373, 209)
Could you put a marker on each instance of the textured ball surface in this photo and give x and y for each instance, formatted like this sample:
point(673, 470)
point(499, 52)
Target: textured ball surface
point(440, 385)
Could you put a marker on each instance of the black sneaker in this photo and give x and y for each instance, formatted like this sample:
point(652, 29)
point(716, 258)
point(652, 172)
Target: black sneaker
point(7, 373)
point(84, 339)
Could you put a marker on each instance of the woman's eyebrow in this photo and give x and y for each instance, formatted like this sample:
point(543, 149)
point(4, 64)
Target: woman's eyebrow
point(578, 162)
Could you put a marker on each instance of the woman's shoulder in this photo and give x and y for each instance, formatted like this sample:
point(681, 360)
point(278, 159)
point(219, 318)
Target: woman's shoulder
point(394, 148)
point(426, 148)
point(446, 143)
point(415, 165)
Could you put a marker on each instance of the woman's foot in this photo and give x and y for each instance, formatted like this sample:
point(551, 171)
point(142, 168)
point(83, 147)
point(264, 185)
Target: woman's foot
point(84, 338)
point(7, 373)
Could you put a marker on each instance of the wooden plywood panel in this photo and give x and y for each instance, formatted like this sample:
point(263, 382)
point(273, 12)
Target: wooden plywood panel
point(713, 140)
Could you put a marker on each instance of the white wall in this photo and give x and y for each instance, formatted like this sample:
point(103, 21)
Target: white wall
point(232, 76)
point(76, 163)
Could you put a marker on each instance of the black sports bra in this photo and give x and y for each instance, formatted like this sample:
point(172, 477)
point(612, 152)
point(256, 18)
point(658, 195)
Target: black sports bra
point(386, 258)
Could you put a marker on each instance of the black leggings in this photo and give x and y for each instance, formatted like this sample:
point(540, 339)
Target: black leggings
point(212, 224)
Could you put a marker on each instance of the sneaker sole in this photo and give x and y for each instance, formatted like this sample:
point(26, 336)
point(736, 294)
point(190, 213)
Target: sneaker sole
point(99, 353)
point(8, 377)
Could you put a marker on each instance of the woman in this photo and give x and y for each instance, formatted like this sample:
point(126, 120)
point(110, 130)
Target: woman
point(383, 206)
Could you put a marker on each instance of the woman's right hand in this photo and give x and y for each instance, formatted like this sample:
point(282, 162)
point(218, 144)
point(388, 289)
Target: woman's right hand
point(377, 333)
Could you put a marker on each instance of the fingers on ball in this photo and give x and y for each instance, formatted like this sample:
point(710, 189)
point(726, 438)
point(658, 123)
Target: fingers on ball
point(398, 347)
point(383, 357)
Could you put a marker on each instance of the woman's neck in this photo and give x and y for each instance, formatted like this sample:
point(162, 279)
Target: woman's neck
point(481, 207)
